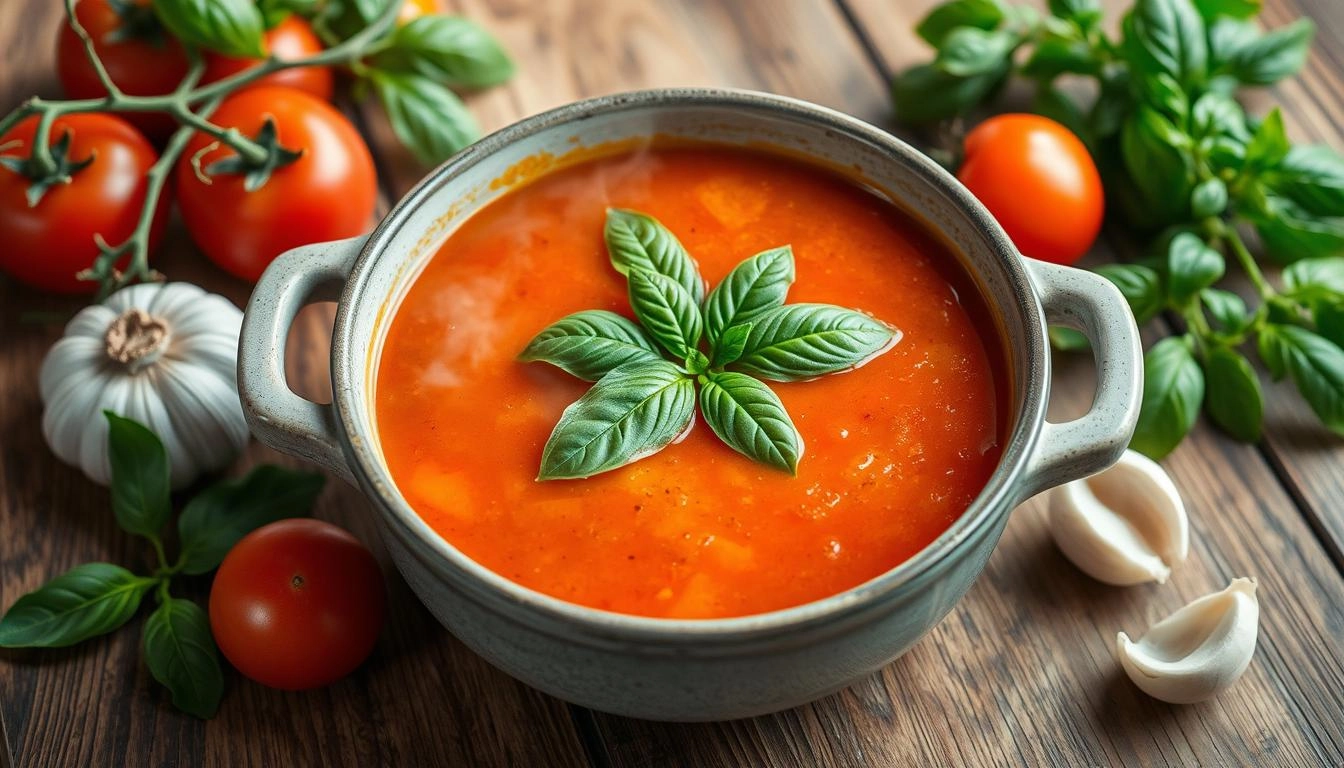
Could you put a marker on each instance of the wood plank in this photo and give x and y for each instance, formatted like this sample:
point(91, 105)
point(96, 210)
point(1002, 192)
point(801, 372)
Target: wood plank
point(422, 699)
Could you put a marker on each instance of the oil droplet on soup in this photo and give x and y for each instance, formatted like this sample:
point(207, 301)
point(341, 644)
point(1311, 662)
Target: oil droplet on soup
point(895, 451)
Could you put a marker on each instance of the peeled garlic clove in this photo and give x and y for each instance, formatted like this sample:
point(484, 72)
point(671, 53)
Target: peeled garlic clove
point(1197, 651)
point(1124, 526)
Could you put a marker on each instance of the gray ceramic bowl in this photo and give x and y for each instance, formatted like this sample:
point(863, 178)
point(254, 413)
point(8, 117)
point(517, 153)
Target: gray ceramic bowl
point(688, 669)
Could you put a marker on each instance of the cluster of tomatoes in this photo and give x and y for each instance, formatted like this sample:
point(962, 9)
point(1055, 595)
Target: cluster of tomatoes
point(329, 193)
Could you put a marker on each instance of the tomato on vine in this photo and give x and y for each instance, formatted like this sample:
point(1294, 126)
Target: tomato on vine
point(1040, 183)
point(96, 187)
point(314, 180)
point(292, 38)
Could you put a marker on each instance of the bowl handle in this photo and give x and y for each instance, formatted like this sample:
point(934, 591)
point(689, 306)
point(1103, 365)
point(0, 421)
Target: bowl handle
point(1075, 449)
point(278, 417)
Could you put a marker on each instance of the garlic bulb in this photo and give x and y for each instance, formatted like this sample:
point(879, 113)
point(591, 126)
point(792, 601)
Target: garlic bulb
point(1197, 651)
point(1126, 525)
point(164, 355)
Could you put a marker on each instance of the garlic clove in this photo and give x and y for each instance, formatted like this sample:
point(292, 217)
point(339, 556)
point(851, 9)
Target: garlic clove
point(1126, 525)
point(1199, 650)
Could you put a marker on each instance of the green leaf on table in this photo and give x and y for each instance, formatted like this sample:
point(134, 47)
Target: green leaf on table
point(943, 19)
point(1313, 177)
point(1269, 143)
point(1316, 366)
point(86, 601)
point(1173, 390)
point(749, 417)
point(638, 242)
point(1238, 9)
point(1192, 266)
point(591, 344)
point(181, 654)
point(1166, 36)
point(1289, 232)
point(925, 93)
point(1227, 309)
point(669, 313)
point(730, 345)
point(219, 516)
point(430, 120)
point(1234, 400)
point(1141, 286)
point(231, 27)
point(969, 51)
point(141, 476)
point(755, 285)
point(451, 50)
point(1155, 153)
point(628, 414)
point(1085, 13)
point(1273, 56)
point(797, 342)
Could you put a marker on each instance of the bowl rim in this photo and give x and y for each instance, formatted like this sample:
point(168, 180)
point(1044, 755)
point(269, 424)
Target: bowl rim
point(995, 501)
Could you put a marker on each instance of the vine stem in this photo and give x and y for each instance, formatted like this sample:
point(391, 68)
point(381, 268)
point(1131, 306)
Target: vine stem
point(1247, 262)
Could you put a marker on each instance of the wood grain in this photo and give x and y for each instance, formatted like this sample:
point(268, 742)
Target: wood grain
point(1021, 673)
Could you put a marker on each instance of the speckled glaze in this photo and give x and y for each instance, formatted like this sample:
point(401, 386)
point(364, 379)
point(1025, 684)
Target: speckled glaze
point(688, 669)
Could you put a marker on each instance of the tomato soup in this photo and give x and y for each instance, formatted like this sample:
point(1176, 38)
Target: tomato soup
point(893, 451)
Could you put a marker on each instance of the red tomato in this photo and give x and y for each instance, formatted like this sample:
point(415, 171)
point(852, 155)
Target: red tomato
point(292, 38)
point(329, 193)
point(1038, 180)
point(414, 9)
point(141, 58)
point(297, 604)
point(46, 245)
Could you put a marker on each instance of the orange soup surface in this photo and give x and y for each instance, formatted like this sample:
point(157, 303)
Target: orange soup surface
point(894, 451)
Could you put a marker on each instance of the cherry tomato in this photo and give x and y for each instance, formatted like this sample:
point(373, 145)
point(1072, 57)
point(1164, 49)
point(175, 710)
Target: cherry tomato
point(292, 38)
point(329, 193)
point(140, 56)
point(414, 9)
point(1038, 180)
point(297, 604)
point(46, 245)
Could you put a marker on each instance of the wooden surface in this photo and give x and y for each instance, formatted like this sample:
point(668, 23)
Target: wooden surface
point(1021, 673)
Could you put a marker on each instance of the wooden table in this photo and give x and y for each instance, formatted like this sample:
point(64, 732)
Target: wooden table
point(1020, 673)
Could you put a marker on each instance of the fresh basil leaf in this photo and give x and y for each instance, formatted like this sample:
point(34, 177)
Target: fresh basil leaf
point(1162, 92)
point(1113, 105)
point(1191, 267)
point(754, 286)
point(1269, 144)
point(1173, 390)
point(797, 342)
point(630, 413)
point(730, 345)
point(1067, 339)
point(667, 311)
point(1329, 318)
point(86, 601)
point(231, 27)
point(1317, 368)
point(591, 344)
point(1273, 351)
point(980, 14)
point(1234, 400)
point(748, 416)
point(1085, 13)
point(1141, 286)
point(1226, 308)
point(430, 120)
point(1274, 55)
point(638, 242)
point(1055, 55)
point(1238, 9)
point(219, 516)
point(1217, 115)
point(1156, 155)
point(1209, 198)
point(1166, 36)
point(1313, 177)
point(696, 362)
point(451, 50)
point(140, 476)
point(925, 93)
point(181, 654)
point(1309, 278)
point(1290, 232)
point(969, 51)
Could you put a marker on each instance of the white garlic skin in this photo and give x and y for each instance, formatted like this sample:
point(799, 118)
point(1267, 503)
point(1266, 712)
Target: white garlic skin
point(1198, 651)
point(1125, 525)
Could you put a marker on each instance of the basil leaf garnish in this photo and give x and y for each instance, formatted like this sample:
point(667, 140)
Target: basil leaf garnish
point(90, 600)
point(757, 284)
point(181, 654)
point(140, 476)
point(591, 344)
point(452, 50)
point(630, 413)
point(730, 345)
point(1233, 399)
point(1173, 390)
point(219, 516)
point(231, 27)
point(796, 342)
point(671, 315)
point(748, 416)
point(639, 243)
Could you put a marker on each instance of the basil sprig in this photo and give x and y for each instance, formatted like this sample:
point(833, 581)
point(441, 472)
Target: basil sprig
point(642, 402)
point(96, 598)
point(1182, 161)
